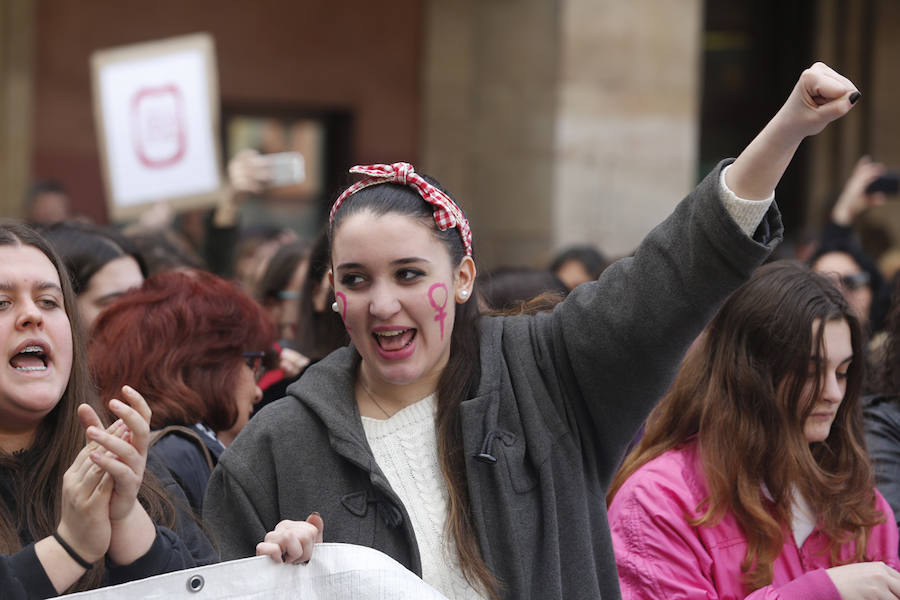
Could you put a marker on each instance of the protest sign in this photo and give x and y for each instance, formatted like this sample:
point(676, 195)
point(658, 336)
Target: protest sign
point(156, 107)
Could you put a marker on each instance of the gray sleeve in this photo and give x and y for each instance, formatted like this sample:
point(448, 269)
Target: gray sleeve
point(230, 515)
point(882, 428)
point(619, 340)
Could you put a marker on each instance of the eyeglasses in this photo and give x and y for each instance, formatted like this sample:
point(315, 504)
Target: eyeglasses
point(254, 360)
point(854, 281)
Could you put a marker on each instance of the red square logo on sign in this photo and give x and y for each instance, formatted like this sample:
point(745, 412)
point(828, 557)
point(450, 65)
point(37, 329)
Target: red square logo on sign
point(157, 120)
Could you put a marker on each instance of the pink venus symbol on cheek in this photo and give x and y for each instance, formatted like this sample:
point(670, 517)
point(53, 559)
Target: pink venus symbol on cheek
point(437, 296)
point(343, 299)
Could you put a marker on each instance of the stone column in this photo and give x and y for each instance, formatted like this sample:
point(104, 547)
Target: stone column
point(490, 73)
point(561, 122)
point(627, 120)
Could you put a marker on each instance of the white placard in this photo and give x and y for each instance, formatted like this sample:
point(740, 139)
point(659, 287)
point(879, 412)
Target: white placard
point(156, 107)
point(335, 572)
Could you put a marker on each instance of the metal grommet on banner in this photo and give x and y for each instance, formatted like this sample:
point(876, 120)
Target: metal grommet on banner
point(195, 583)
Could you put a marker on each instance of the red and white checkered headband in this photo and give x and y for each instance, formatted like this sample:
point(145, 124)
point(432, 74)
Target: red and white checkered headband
point(446, 213)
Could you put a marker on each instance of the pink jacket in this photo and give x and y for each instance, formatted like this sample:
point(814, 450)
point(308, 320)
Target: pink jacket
point(660, 555)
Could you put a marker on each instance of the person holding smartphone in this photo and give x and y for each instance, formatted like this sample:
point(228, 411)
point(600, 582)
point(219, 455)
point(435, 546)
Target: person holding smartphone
point(840, 254)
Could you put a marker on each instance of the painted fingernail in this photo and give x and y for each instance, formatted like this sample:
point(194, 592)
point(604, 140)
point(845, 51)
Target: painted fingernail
point(854, 97)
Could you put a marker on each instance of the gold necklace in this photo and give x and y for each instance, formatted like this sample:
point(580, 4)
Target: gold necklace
point(374, 401)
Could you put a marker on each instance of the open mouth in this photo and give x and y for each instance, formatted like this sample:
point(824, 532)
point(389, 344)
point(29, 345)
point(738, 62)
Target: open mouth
point(30, 358)
point(392, 341)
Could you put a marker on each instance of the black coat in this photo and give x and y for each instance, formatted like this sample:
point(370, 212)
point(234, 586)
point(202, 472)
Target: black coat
point(881, 415)
point(187, 463)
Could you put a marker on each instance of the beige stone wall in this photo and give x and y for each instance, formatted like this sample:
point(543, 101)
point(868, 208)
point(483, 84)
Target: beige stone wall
point(489, 79)
point(16, 23)
point(561, 122)
point(627, 120)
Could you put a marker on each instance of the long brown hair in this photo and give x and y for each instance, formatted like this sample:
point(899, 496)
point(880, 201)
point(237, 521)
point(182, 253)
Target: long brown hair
point(456, 381)
point(37, 474)
point(740, 394)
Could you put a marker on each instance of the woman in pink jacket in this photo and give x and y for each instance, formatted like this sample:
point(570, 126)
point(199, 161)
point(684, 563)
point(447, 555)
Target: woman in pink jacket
point(751, 480)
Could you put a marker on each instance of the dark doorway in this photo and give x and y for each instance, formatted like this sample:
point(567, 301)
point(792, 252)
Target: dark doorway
point(753, 53)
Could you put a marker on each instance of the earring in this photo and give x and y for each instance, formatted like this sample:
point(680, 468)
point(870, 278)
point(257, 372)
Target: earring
point(335, 307)
point(463, 294)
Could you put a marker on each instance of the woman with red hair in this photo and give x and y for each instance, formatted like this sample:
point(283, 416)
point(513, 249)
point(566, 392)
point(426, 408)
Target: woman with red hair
point(193, 343)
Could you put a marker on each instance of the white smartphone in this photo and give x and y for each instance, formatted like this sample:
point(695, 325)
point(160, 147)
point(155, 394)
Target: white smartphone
point(285, 168)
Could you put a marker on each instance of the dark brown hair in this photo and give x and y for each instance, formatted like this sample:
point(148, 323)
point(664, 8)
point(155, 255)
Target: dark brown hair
point(740, 394)
point(521, 290)
point(318, 332)
point(457, 379)
point(86, 248)
point(37, 474)
point(280, 270)
point(887, 376)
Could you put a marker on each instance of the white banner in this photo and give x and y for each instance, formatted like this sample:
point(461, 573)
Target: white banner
point(336, 572)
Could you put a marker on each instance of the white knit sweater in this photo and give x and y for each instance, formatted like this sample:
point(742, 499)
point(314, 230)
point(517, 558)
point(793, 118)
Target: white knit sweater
point(405, 447)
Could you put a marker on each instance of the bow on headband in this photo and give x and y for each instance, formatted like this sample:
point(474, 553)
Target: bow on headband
point(446, 213)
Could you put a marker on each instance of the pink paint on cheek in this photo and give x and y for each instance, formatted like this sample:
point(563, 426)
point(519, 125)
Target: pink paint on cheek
point(437, 296)
point(343, 298)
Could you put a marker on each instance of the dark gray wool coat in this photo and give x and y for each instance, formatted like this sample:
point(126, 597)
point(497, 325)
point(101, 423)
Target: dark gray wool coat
point(560, 396)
